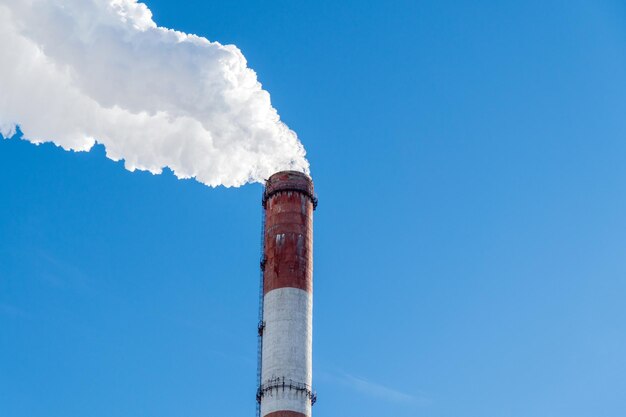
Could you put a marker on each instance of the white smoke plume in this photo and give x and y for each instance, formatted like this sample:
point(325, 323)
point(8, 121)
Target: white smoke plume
point(81, 72)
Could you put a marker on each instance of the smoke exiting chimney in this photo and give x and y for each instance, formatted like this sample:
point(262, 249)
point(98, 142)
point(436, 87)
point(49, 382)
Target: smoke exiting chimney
point(77, 73)
point(286, 325)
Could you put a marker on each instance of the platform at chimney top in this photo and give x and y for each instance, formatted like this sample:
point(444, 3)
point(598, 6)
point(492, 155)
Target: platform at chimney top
point(289, 181)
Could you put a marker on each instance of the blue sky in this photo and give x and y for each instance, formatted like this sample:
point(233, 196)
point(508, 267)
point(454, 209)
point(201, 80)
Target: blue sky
point(470, 242)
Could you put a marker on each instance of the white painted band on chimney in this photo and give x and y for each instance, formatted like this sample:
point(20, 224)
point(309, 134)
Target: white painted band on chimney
point(287, 346)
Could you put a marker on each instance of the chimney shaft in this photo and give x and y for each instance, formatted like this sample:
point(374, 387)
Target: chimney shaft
point(286, 328)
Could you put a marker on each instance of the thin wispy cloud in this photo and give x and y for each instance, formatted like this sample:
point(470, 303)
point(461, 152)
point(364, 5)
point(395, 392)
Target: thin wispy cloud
point(62, 274)
point(377, 390)
point(11, 311)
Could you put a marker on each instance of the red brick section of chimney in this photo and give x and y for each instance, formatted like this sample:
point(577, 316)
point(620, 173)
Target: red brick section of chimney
point(285, 414)
point(289, 202)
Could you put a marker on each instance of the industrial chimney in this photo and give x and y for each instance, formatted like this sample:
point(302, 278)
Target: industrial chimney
point(286, 309)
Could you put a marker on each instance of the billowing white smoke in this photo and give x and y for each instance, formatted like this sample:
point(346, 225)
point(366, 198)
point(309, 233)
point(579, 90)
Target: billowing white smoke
point(77, 72)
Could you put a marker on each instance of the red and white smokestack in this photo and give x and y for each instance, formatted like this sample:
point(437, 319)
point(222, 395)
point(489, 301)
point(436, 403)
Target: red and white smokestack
point(286, 328)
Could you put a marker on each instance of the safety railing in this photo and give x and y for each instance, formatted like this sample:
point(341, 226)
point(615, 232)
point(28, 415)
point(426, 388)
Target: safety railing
point(283, 384)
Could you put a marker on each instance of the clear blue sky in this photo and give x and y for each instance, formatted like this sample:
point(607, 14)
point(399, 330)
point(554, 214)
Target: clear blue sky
point(470, 242)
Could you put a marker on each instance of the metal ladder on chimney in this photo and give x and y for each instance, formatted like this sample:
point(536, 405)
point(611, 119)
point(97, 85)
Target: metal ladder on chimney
point(261, 324)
